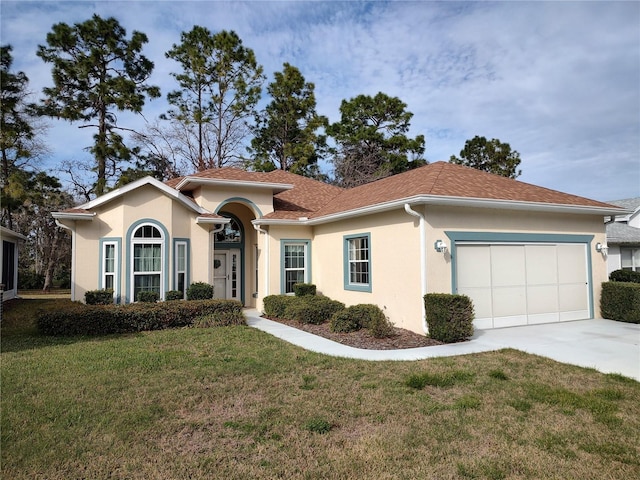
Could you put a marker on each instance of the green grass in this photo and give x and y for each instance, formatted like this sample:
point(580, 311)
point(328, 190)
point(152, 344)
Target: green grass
point(236, 403)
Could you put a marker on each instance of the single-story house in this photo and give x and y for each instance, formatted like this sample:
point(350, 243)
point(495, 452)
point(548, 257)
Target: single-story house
point(524, 254)
point(623, 237)
point(9, 262)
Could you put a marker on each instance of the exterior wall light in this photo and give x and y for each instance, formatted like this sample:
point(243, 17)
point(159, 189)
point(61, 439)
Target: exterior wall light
point(440, 246)
point(602, 248)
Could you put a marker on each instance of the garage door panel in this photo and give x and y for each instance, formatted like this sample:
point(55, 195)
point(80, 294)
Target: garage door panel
point(542, 299)
point(481, 298)
point(507, 265)
point(508, 301)
point(572, 265)
point(573, 297)
point(542, 267)
point(477, 267)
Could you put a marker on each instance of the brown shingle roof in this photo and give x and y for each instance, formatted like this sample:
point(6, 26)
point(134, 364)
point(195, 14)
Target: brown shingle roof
point(311, 198)
point(449, 180)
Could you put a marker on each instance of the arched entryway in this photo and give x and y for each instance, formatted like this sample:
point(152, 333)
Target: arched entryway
point(235, 254)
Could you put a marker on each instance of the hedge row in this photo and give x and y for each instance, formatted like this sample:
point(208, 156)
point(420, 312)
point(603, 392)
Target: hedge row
point(624, 276)
point(620, 301)
point(305, 309)
point(319, 309)
point(81, 319)
point(449, 317)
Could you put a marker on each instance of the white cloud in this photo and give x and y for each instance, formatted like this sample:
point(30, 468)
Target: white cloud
point(559, 81)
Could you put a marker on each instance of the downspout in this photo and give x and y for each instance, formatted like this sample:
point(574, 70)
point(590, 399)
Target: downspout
point(266, 258)
point(423, 262)
point(73, 256)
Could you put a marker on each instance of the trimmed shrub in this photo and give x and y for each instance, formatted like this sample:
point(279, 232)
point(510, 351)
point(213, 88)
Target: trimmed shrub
point(99, 297)
point(303, 289)
point(620, 301)
point(80, 319)
point(173, 295)
point(220, 319)
point(276, 305)
point(346, 321)
point(360, 316)
point(312, 309)
point(199, 291)
point(148, 296)
point(449, 317)
point(377, 322)
point(624, 276)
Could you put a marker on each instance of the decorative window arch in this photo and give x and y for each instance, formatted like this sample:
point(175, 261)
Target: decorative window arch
point(148, 257)
point(232, 231)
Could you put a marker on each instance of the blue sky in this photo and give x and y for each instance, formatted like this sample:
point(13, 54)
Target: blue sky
point(558, 81)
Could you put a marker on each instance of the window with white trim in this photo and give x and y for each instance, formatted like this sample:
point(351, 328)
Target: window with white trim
point(357, 260)
point(295, 264)
point(630, 259)
point(181, 268)
point(147, 246)
point(109, 265)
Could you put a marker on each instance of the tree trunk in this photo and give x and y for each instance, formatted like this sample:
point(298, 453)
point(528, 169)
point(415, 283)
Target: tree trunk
point(54, 258)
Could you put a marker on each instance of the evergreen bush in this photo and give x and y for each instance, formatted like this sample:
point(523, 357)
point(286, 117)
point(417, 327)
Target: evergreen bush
point(80, 319)
point(148, 296)
point(98, 297)
point(199, 291)
point(449, 317)
point(303, 289)
point(173, 295)
point(624, 276)
point(620, 301)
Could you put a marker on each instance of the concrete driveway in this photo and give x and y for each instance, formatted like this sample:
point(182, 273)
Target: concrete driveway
point(607, 346)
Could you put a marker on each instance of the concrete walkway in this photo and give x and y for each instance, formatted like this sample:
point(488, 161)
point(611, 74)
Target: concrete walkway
point(607, 346)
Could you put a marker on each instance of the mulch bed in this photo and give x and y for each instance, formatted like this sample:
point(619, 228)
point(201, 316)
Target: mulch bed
point(362, 339)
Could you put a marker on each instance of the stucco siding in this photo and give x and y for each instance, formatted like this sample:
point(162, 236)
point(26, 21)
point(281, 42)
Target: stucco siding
point(395, 264)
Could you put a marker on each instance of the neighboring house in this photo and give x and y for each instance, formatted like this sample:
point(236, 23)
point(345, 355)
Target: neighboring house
point(623, 237)
point(9, 262)
point(524, 254)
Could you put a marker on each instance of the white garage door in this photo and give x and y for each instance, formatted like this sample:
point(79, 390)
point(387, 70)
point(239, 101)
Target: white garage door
point(524, 284)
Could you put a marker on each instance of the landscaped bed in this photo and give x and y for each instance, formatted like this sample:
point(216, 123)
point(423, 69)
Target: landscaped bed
point(234, 402)
point(400, 339)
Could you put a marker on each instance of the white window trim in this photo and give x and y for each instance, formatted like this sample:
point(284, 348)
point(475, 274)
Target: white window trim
point(306, 244)
point(104, 243)
point(178, 245)
point(348, 284)
point(141, 240)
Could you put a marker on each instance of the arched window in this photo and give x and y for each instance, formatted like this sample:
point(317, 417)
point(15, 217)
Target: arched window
point(147, 245)
point(232, 233)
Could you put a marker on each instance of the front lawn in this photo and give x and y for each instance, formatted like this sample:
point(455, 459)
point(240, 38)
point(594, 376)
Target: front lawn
point(236, 403)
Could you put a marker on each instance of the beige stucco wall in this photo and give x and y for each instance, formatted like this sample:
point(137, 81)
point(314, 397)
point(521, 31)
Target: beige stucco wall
point(212, 197)
point(395, 253)
point(395, 264)
point(113, 220)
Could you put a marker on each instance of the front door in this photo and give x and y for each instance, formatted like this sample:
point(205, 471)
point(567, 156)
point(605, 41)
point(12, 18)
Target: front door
point(226, 274)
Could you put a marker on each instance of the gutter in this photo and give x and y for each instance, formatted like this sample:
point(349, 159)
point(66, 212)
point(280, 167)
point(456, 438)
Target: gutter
point(447, 201)
point(423, 262)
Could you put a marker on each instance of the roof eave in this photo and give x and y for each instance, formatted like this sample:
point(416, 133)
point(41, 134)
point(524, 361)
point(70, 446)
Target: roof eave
point(446, 201)
point(211, 220)
point(73, 216)
point(198, 181)
point(170, 192)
